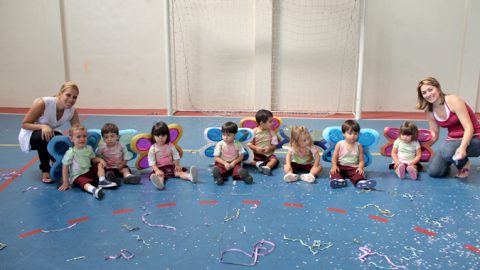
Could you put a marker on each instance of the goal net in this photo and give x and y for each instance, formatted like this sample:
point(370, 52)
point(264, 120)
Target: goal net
point(313, 46)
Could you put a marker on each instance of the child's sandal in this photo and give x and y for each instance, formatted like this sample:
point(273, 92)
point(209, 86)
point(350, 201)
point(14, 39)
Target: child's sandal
point(464, 172)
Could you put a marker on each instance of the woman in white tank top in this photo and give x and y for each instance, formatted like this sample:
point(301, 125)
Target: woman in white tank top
point(41, 121)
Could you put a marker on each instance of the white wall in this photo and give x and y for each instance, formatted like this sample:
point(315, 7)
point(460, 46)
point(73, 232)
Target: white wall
point(31, 53)
point(407, 40)
point(115, 51)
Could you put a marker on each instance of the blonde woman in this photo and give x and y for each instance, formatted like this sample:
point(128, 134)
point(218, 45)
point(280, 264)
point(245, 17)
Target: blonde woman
point(454, 114)
point(40, 123)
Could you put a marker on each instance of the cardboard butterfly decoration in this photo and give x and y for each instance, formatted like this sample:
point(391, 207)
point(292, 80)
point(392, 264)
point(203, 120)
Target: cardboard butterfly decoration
point(424, 138)
point(58, 146)
point(141, 143)
point(251, 123)
point(125, 138)
point(367, 138)
point(214, 134)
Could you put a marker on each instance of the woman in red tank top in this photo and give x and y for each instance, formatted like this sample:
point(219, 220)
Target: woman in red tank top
point(451, 112)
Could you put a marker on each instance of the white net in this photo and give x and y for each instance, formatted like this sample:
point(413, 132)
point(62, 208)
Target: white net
point(314, 46)
point(213, 54)
point(315, 53)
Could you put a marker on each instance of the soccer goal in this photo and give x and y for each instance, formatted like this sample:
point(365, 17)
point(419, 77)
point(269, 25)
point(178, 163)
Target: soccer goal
point(289, 56)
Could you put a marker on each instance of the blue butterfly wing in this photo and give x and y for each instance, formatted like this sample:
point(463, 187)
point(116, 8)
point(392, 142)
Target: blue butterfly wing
point(57, 147)
point(126, 136)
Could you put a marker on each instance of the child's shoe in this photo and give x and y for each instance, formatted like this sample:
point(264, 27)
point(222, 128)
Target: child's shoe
point(106, 184)
point(110, 176)
point(158, 182)
point(401, 171)
point(243, 173)
point(132, 179)
point(363, 184)
point(98, 193)
point(266, 170)
point(338, 183)
point(290, 177)
point(307, 177)
point(193, 176)
point(412, 172)
point(217, 176)
point(259, 165)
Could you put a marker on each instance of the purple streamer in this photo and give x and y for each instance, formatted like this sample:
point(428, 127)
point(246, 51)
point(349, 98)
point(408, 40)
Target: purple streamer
point(257, 248)
point(368, 252)
point(124, 253)
point(156, 225)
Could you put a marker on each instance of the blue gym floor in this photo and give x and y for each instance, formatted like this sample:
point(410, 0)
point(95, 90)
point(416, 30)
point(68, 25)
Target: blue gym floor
point(435, 222)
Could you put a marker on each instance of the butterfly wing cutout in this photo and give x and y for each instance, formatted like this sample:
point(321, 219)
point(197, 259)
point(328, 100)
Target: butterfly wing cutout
point(251, 123)
point(213, 135)
point(140, 144)
point(367, 138)
point(424, 138)
point(58, 146)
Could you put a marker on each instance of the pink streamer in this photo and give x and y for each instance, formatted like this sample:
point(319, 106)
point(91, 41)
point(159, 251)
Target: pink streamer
point(156, 225)
point(257, 248)
point(124, 253)
point(368, 252)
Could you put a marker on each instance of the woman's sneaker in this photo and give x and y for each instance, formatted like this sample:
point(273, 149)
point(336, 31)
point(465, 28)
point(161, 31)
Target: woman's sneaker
point(217, 176)
point(338, 183)
point(157, 181)
point(364, 184)
point(106, 184)
point(243, 173)
point(412, 172)
point(290, 177)
point(193, 176)
point(132, 179)
point(98, 193)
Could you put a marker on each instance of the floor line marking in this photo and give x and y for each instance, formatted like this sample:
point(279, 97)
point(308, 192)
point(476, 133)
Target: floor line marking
point(332, 209)
point(208, 202)
point(23, 235)
point(78, 220)
point(472, 248)
point(298, 205)
point(427, 232)
point(7, 182)
point(251, 202)
point(378, 218)
point(160, 205)
point(122, 211)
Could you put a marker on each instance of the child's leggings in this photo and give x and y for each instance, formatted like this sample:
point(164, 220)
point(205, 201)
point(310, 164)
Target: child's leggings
point(225, 173)
point(348, 172)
